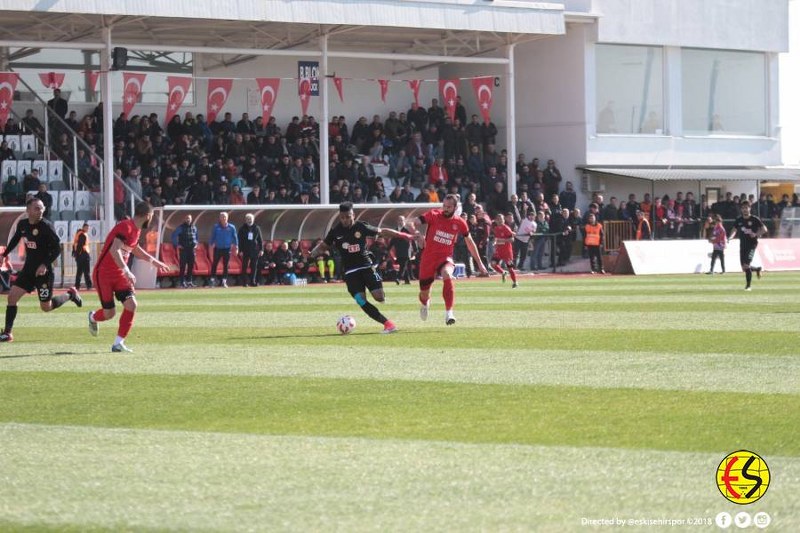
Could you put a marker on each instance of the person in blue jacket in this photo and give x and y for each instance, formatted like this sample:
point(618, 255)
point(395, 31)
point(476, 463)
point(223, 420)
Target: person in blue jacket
point(223, 238)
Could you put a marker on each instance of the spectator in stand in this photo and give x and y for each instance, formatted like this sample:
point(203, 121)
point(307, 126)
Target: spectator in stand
point(691, 218)
point(266, 264)
point(13, 195)
point(46, 198)
point(31, 181)
point(642, 227)
point(568, 196)
point(251, 248)
point(659, 218)
point(461, 111)
point(32, 125)
point(541, 238)
point(284, 262)
point(223, 239)
point(632, 206)
point(646, 207)
point(610, 211)
point(552, 178)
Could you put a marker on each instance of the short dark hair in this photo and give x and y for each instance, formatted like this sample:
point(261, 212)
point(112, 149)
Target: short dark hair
point(142, 209)
point(345, 207)
point(744, 203)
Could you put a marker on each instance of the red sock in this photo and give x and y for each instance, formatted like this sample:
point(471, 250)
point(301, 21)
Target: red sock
point(512, 274)
point(125, 323)
point(497, 268)
point(449, 294)
point(98, 315)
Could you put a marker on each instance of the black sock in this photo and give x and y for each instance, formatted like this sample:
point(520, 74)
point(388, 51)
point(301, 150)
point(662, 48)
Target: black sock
point(11, 315)
point(748, 275)
point(60, 300)
point(373, 313)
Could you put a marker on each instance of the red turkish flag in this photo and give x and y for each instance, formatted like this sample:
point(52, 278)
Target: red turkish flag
point(8, 83)
point(337, 82)
point(449, 90)
point(131, 90)
point(178, 87)
point(304, 90)
point(269, 95)
point(384, 89)
point(483, 93)
point(218, 92)
point(414, 84)
point(52, 80)
point(93, 76)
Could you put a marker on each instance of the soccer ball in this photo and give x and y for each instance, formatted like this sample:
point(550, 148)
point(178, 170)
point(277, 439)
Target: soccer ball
point(346, 324)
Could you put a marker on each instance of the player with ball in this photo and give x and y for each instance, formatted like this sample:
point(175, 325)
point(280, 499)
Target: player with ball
point(350, 238)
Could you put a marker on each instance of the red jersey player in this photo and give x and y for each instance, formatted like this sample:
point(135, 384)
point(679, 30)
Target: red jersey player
point(112, 277)
point(504, 249)
point(443, 228)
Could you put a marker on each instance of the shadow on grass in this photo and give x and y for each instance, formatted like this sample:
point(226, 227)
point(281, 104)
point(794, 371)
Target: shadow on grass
point(54, 354)
point(306, 336)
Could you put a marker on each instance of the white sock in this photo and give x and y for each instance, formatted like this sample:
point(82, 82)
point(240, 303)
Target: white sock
point(119, 340)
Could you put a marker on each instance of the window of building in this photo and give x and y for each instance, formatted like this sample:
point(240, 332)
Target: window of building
point(630, 89)
point(724, 92)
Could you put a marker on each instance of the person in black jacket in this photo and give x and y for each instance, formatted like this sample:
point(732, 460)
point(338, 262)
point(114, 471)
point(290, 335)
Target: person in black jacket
point(42, 247)
point(251, 247)
point(184, 239)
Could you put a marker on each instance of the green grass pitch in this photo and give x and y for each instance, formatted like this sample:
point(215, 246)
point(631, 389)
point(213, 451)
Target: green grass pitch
point(561, 401)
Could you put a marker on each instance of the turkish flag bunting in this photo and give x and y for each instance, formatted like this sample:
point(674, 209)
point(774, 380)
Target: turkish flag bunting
point(483, 93)
point(304, 90)
point(178, 87)
point(337, 82)
point(449, 90)
point(93, 77)
point(269, 95)
point(8, 83)
point(218, 92)
point(384, 89)
point(414, 84)
point(131, 90)
point(52, 80)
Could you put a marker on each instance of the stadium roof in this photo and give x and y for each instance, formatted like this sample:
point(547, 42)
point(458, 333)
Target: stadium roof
point(702, 174)
point(430, 27)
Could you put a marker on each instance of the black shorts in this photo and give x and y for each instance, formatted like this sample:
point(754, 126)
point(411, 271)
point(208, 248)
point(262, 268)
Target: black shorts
point(746, 254)
point(366, 278)
point(28, 280)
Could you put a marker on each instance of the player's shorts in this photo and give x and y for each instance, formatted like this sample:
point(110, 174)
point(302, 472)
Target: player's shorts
point(746, 253)
point(111, 284)
point(429, 268)
point(362, 280)
point(28, 281)
point(502, 254)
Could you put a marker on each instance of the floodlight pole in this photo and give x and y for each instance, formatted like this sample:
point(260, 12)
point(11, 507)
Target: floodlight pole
point(324, 154)
point(511, 126)
point(108, 132)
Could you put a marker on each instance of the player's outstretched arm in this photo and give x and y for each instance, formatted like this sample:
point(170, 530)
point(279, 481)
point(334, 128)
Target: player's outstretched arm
point(473, 251)
point(140, 253)
point(387, 232)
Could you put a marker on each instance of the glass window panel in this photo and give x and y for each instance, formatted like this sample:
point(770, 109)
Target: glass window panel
point(724, 92)
point(630, 89)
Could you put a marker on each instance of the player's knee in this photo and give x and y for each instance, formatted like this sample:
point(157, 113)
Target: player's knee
point(360, 299)
point(379, 296)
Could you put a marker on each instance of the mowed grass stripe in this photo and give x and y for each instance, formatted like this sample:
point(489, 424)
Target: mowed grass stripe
point(266, 333)
point(710, 372)
point(665, 420)
point(135, 479)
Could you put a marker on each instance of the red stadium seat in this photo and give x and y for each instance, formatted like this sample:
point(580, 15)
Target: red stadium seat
point(169, 255)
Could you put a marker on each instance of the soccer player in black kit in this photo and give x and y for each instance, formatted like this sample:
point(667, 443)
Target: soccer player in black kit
point(350, 238)
point(749, 229)
point(42, 247)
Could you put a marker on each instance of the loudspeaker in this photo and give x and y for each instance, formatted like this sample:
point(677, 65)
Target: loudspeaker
point(119, 58)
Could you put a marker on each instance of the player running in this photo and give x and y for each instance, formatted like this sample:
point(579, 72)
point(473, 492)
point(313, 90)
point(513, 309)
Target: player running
point(112, 277)
point(504, 249)
point(350, 238)
point(443, 227)
point(749, 228)
point(42, 247)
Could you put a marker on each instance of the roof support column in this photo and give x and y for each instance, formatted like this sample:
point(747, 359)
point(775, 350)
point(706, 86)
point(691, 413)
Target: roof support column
point(108, 132)
point(324, 153)
point(511, 126)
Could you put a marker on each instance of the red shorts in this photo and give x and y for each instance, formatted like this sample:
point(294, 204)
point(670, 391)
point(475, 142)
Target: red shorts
point(110, 283)
point(430, 265)
point(503, 254)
